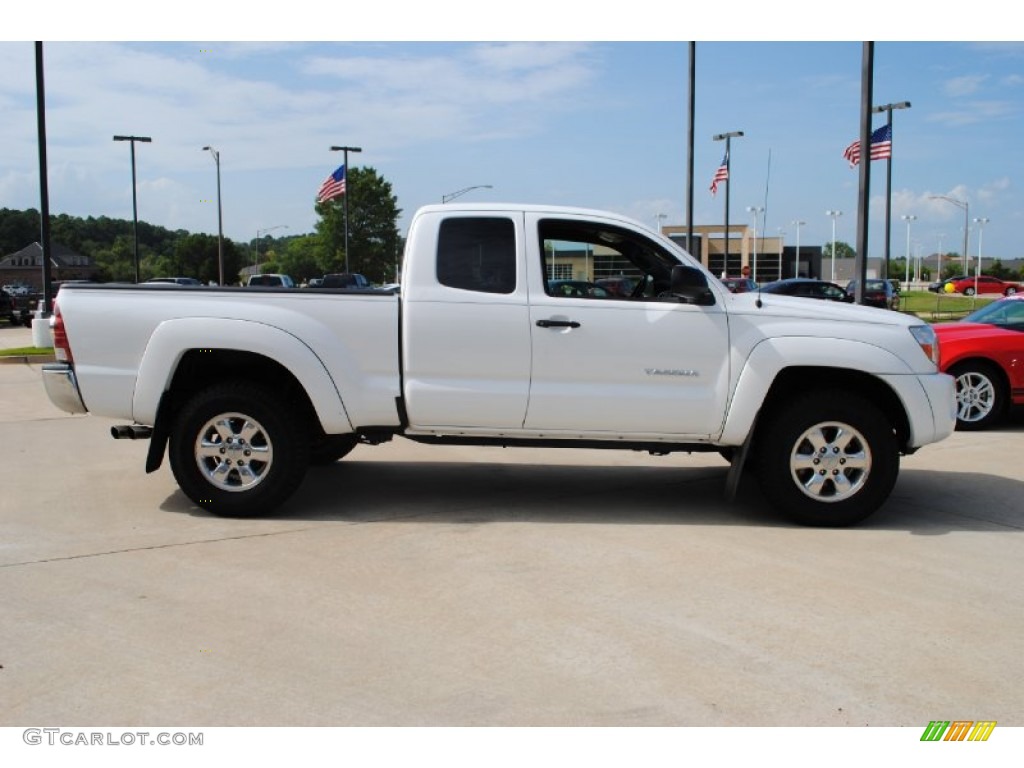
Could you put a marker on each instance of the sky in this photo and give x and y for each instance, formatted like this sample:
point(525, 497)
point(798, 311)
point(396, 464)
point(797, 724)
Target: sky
point(566, 120)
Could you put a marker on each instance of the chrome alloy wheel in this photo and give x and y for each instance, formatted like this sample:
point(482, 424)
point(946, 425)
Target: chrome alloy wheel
point(233, 452)
point(830, 462)
point(975, 396)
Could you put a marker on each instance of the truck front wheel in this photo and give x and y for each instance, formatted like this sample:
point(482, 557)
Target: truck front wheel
point(827, 459)
point(236, 449)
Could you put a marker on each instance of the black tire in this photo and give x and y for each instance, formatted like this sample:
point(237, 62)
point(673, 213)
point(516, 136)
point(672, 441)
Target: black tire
point(237, 450)
point(981, 397)
point(969, 291)
point(827, 459)
point(1010, 291)
point(330, 448)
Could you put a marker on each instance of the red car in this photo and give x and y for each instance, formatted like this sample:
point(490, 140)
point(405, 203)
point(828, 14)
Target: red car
point(985, 284)
point(985, 352)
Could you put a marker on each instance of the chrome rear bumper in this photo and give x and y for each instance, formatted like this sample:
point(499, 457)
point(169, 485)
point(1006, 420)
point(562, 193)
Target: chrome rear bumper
point(62, 387)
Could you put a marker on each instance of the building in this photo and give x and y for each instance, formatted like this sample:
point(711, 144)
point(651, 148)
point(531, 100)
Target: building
point(25, 267)
point(775, 259)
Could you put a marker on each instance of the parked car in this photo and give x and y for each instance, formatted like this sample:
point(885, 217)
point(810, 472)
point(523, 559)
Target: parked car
point(984, 352)
point(347, 280)
point(279, 281)
point(577, 288)
point(8, 309)
point(173, 280)
point(939, 286)
point(877, 293)
point(808, 288)
point(739, 284)
point(984, 284)
point(621, 286)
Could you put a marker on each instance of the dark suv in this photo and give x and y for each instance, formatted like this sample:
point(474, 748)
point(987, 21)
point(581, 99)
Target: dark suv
point(877, 293)
point(14, 310)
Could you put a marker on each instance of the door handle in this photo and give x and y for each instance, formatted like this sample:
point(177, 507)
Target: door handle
point(558, 324)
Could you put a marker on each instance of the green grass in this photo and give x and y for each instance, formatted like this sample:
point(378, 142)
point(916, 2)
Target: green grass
point(21, 351)
point(940, 306)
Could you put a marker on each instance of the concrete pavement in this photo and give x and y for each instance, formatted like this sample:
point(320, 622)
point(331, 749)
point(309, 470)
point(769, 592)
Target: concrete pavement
point(414, 585)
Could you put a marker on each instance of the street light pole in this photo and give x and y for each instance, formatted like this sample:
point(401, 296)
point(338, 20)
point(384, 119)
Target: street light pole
point(256, 258)
point(981, 222)
point(220, 220)
point(452, 195)
point(966, 208)
point(135, 207)
point(728, 185)
point(835, 215)
point(908, 218)
point(888, 108)
point(755, 210)
point(348, 188)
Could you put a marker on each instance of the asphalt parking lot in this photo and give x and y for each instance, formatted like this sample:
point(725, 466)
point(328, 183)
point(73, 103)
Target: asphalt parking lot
point(415, 585)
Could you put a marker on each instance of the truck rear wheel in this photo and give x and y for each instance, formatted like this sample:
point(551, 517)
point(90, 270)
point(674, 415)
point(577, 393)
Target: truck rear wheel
point(827, 459)
point(236, 449)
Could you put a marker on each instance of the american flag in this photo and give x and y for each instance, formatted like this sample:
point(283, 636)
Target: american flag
point(722, 174)
point(333, 186)
point(881, 146)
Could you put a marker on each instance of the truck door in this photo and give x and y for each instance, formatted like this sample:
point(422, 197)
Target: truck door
point(612, 355)
point(465, 332)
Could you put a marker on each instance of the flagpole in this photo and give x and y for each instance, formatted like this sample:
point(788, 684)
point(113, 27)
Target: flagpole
point(888, 108)
point(689, 150)
point(345, 151)
point(728, 185)
point(866, 84)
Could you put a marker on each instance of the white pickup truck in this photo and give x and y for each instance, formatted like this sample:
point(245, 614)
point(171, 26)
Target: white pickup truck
point(511, 328)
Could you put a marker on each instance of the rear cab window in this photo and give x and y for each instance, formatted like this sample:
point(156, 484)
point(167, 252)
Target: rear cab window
point(477, 254)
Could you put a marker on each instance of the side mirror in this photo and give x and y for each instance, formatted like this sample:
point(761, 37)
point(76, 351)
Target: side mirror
point(690, 285)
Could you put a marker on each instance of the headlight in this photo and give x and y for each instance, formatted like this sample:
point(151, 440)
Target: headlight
point(925, 337)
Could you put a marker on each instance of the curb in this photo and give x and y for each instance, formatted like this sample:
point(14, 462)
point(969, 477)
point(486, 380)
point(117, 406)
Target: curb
point(26, 359)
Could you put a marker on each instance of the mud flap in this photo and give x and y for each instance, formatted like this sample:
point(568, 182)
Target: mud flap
point(739, 458)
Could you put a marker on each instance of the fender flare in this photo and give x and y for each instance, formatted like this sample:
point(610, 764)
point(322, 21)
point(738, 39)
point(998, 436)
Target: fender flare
point(173, 338)
point(771, 356)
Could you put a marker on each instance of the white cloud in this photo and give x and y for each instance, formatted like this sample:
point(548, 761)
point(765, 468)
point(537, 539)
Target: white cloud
point(974, 112)
point(964, 85)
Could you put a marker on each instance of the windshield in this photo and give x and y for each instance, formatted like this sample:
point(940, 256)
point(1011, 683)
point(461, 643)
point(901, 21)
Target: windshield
point(1007, 312)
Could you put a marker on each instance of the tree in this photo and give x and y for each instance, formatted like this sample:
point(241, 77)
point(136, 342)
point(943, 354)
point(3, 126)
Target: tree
point(196, 256)
point(372, 228)
point(1000, 270)
point(843, 250)
point(302, 258)
point(117, 262)
point(951, 268)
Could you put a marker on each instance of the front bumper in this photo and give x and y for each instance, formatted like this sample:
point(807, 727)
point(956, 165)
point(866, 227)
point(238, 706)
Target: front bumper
point(62, 387)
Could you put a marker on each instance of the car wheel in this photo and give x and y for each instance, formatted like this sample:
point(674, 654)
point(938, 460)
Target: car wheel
point(980, 395)
point(827, 459)
point(330, 448)
point(969, 291)
point(237, 449)
point(1010, 291)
